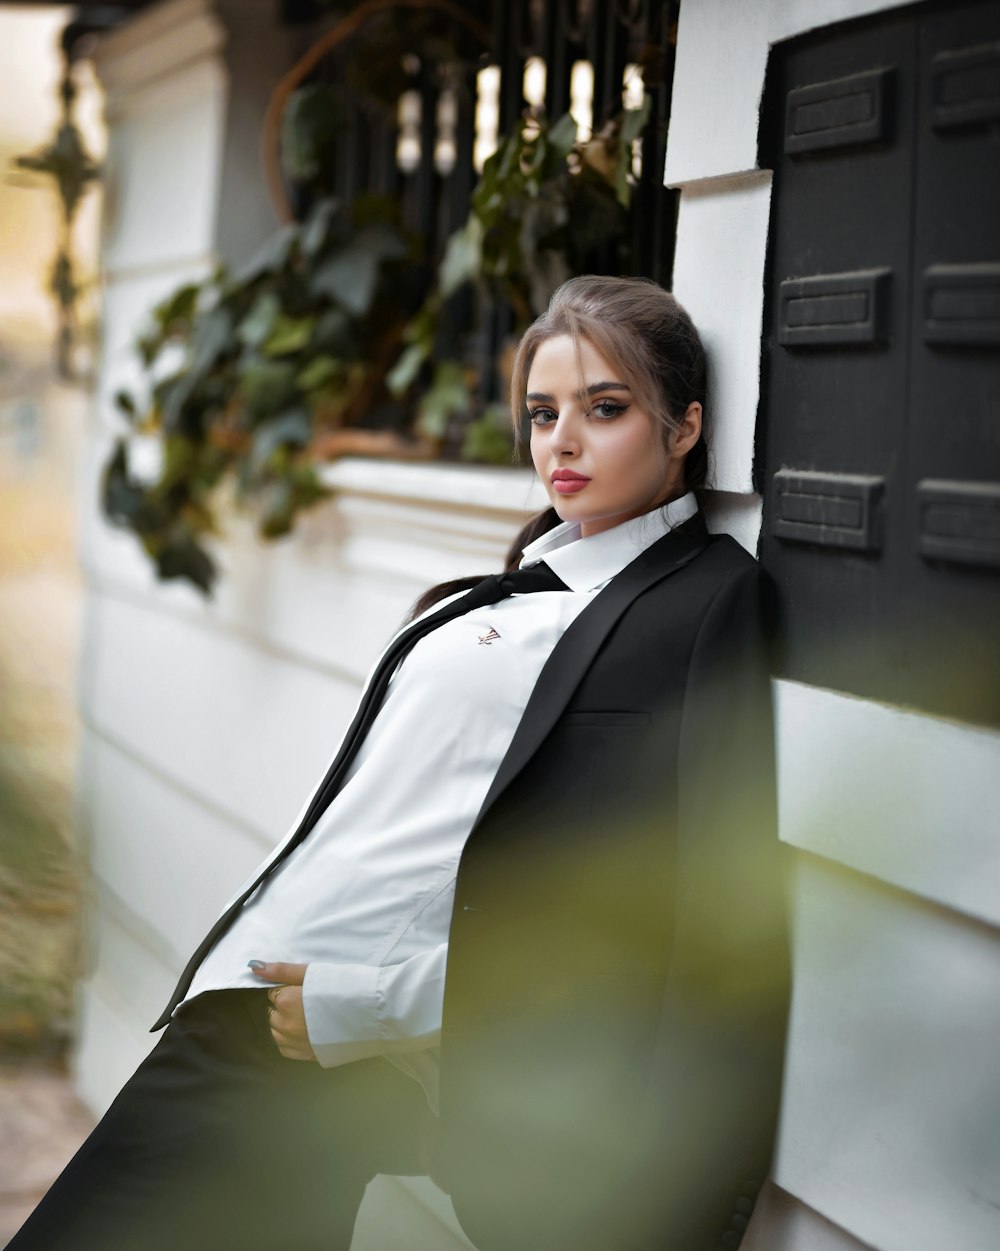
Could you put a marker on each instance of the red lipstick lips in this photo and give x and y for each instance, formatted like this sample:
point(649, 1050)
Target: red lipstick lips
point(567, 482)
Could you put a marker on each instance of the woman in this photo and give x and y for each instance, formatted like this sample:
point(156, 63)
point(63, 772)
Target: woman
point(550, 823)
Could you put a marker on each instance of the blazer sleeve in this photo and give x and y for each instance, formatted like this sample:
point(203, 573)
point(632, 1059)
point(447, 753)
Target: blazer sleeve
point(716, 1072)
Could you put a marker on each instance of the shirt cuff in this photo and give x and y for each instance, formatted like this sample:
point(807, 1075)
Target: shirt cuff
point(341, 1007)
point(354, 1011)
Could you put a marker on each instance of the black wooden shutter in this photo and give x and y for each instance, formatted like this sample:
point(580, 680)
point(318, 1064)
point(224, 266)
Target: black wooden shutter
point(881, 431)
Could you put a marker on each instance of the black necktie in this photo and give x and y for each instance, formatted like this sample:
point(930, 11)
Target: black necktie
point(496, 587)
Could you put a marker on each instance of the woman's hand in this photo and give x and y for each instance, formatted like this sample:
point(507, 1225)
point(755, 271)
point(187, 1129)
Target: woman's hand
point(286, 1016)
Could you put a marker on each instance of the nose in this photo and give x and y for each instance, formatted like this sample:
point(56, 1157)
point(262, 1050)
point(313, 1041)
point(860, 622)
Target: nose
point(565, 439)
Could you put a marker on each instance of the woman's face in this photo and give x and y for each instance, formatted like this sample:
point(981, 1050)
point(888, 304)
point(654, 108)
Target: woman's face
point(600, 456)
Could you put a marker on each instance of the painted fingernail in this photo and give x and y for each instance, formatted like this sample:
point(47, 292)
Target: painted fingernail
point(256, 964)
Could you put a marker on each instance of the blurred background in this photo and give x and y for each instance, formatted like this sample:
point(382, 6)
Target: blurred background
point(263, 263)
point(42, 423)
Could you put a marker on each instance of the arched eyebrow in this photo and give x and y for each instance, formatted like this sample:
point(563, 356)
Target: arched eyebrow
point(543, 397)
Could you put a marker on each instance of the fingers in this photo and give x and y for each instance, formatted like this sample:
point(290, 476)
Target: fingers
point(286, 1020)
point(275, 971)
point(286, 1016)
point(285, 1010)
point(293, 1048)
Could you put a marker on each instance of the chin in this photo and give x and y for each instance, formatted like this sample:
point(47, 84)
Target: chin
point(566, 512)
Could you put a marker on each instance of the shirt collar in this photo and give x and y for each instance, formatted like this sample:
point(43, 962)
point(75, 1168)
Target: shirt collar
point(585, 564)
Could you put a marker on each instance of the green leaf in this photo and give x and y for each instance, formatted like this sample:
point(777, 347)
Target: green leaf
point(267, 386)
point(171, 396)
point(290, 334)
point(184, 557)
point(278, 509)
point(401, 376)
point(121, 499)
point(148, 346)
point(256, 325)
point(317, 228)
point(634, 120)
point(307, 487)
point(213, 335)
point(623, 188)
point(562, 135)
point(320, 371)
point(292, 428)
point(311, 122)
point(125, 403)
point(463, 257)
point(334, 333)
point(487, 201)
point(177, 309)
point(270, 258)
point(385, 243)
point(180, 458)
point(447, 396)
point(350, 278)
point(490, 439)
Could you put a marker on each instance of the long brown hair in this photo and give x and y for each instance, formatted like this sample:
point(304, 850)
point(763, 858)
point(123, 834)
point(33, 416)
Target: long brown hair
point(652, 343)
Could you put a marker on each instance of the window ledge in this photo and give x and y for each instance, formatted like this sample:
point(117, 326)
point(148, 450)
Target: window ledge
point(481, 488)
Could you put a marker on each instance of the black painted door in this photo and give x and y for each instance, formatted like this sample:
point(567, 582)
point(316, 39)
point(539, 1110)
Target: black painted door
point(881, 433)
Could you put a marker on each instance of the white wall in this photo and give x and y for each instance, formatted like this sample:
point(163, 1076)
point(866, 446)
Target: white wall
point(205, 723)
point(889, 1135)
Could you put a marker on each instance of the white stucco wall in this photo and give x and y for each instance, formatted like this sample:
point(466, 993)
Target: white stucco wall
point(205, 722)
point(889, 1133)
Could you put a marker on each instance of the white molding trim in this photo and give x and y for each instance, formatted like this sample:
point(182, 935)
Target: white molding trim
point(722, 51)
point(722, 247)
point(479, 487)
point(158, 42)
point(110, 275)
point(910, 799)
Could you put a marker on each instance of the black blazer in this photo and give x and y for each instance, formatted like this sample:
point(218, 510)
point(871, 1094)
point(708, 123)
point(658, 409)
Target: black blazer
point(616, 989)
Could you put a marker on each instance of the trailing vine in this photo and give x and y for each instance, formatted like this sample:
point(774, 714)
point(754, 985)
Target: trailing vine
point(336, 338)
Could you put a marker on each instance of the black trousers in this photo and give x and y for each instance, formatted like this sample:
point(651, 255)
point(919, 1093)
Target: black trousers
point(218, 1141)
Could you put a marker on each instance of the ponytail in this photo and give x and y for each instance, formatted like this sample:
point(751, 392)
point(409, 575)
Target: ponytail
point(540, 524)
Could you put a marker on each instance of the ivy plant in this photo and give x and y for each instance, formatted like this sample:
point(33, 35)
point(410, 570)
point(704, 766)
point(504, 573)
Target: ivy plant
point(545, 207)
point(253, 374)
point(334, 339)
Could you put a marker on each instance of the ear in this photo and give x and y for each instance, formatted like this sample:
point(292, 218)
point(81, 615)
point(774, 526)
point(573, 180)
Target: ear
point(688, 431)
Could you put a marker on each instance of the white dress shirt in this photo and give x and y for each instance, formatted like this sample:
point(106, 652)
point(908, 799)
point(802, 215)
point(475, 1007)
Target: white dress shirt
point(366, 899)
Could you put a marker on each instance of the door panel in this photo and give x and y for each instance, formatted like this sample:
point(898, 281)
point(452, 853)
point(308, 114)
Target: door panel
point(881, 439)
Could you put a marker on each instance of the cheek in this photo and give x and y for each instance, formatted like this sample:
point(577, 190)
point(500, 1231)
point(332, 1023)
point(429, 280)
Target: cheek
point(643, 468)
point(635, 455)
point(537, 450)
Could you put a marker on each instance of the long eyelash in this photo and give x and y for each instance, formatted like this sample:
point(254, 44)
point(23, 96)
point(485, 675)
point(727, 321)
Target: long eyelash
point(618, 410)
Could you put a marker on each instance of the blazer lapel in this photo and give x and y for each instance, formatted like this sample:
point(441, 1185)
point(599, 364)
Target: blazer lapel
point(574, 652)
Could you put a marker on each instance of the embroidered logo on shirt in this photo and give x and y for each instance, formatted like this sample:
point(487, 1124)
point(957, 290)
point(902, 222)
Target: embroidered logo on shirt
point(488, 637)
